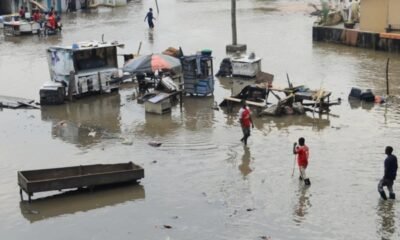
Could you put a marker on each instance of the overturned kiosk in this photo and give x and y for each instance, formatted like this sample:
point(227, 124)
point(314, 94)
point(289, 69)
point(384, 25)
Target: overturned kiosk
point(80, 69)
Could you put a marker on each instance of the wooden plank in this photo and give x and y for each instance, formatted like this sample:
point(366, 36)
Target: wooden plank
point(15, 102)
point(238, 100)
point(28, 105)
point(390, 35)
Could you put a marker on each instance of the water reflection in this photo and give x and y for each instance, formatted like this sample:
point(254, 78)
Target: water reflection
point(198, 112)
point(157, 125)
point(86, 121)
point(387, 221)
point(246, 159)
point(150, 36)
point(83, 200)
point(354, 104)
point(225, 82)
point(317, 123)
point(35, 39)
point(303, 204)
point(235, 84)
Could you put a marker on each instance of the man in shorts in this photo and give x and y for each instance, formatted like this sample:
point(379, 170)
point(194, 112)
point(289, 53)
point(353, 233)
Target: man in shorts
point(302, 159)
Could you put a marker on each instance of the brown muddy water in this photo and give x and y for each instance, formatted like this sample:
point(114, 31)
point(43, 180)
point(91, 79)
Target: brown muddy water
point(202, 181)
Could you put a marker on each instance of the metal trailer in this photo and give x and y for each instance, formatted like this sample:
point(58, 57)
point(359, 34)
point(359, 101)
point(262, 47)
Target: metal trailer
point(42, 180)
point(198, 75)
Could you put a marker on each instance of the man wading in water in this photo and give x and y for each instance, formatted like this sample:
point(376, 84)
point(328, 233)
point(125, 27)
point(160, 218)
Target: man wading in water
point(302, 159)
point(390, 174)
point(149, 17)
point(245, 121)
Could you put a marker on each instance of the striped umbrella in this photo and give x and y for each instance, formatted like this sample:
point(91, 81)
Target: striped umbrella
point(151, 63)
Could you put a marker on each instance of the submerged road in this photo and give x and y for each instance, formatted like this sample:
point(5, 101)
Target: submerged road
point(202, 181)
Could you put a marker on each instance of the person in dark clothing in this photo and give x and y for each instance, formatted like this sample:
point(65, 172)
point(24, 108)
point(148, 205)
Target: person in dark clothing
point(149, 17)
point(390, 174)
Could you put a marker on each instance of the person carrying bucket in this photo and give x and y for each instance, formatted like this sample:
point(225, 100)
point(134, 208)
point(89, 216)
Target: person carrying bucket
point(390, 174)
point(302, 152)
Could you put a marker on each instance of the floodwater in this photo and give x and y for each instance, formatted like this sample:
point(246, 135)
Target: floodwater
point(202, 182)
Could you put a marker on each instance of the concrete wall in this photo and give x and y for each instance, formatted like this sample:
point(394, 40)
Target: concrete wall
point(109, 2)
point(355, 38)
point(120, 2)
point(374, 15)
point(394, 13)
point(60, 5)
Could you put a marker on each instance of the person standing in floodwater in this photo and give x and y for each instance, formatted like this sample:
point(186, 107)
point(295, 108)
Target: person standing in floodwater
point(390, 174)
point(149, 17)
point(245, 121)
point(302, 152)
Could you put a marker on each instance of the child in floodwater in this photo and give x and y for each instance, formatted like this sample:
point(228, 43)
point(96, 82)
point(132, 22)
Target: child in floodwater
point(302, 152)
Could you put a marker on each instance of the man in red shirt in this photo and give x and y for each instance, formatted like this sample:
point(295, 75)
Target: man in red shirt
point(302, 159)
point(22, 12)
point(245, 121)
point(51, 21)
point(36, 16)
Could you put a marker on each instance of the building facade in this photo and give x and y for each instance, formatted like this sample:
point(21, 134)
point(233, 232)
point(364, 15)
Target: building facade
point(377, 15)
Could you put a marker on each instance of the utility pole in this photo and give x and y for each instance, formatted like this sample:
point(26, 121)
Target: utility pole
point(234, 47)
point(233, 17)
point(387, 76)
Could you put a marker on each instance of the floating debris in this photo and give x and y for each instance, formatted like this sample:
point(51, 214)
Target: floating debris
point(234, 213)
point(14, 103)
point(265, 237)
point(62, 123)
point(127, 141)
point(92, 134)
point(34, 212)
point(155, 144)
point(215, 106)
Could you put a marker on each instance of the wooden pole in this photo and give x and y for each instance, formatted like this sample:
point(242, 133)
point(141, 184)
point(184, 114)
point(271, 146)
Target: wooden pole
point(233, 16)
point(158, 10)
point(387, 76)
point(71, 85)
point(181, 93)
point(140, 46)
point(294, 165)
